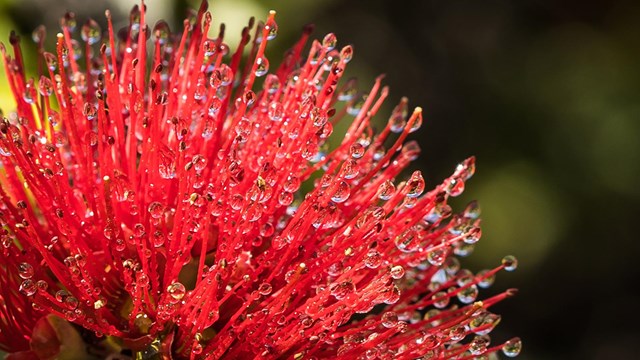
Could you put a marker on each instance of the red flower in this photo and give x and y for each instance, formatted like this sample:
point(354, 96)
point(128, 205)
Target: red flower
point(177, 212)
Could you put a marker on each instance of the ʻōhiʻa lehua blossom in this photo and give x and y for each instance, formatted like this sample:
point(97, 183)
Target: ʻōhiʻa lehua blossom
point(152, 207)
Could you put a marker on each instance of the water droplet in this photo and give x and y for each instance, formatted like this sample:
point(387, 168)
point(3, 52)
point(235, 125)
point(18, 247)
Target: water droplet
point(440, 299)
point(341, 290)
point(473, 235)
point(69, 21)
point(415, 185)
point(262, 66)
point(437, 257)
point(226, 75)
point(472, 211)
point(265, 289)
point(51, 60)
point(468, 295)
point(346, 54)
point(510, 263)
point(341, 192)
point(111, 232)
point(373, 259)
point(389, 319)
point(209, 47)
point(28, 287)
point(386, 190)
point(272, 29)
point(156, 210)
point(484, 323)
point(397, 272)
point(408, 241)
point(45, 86)
point(30, 92)
point(455, 187)
point(512, 347)
point(39, 34)
point(25, 270)
point(90, 111)
point(486, 282)
point(176, 292)
point(285, 198)
point(42, 285)
point(356, 150)
point(275, 111)
point(71, 303)
point(91, 32)
point(478, 345)
point(329, 42)
point(161, 32)
point(397, 122)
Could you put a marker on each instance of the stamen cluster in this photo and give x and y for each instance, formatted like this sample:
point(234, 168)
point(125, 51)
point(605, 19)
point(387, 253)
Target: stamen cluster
point(167, 205)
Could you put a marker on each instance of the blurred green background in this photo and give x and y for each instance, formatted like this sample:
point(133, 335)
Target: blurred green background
point(546, 94)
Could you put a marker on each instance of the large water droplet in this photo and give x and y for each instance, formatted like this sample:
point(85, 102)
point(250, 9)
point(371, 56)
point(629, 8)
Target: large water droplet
point(341, 192)
point(389, 319)
point(161, 32)
point(156, 210)
point(510, 263)
point(25, 270)
point(512, 347)
point(28, 287)
point(262, 66)
point(329, 42)
point(468, 295)
point(272, 28)
point(176, 292)
point(415, 185)
point(396, 272)
point(91, 32)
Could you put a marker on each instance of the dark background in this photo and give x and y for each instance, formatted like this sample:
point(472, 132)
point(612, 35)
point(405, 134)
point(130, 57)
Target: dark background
point(546, 94)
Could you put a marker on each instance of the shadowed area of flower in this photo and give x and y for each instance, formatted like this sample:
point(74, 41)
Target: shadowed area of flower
point(151, 196)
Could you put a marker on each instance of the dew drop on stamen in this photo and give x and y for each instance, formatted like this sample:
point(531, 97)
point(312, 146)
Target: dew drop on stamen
point(272, 28)
point(341, 192)
point(28, 287)
point(91, 32)
point(440, 299)
point(25, 270)
point(156, 210)
point(209, 47)
point(415, 185)
point(510, 263)
point(176, 292)
point(161, 32)
point(51, 60)
point(389, 319)
point(329, 42)
point(386, 190)
point(373, 259)
point(262, 66)
point(468, 295)
point(89, 111)
point(275, 111)
point(396, 272)
point(45, 86)
point(356, 150)
point(486, 282)
point(512, 347)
